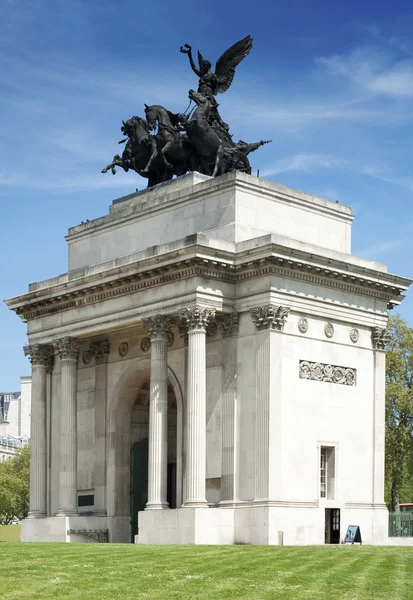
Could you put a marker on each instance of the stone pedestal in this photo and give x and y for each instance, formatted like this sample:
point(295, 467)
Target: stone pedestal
point(66, 529)
point(187, 526)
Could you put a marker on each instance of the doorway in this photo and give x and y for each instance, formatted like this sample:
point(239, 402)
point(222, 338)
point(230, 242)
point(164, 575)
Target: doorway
point(332, 526)
point(138, 482)
point(139, 454)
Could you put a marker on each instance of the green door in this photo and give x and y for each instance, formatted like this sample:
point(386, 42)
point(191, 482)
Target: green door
point(138, 482)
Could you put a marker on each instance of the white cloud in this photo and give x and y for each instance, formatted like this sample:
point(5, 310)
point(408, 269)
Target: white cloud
point(291, 115)
point(303, 162)
point(82, 182)
point(399, 42)
point(405, 182)
point(373, 70)
point(397, 81)
point(360, 65)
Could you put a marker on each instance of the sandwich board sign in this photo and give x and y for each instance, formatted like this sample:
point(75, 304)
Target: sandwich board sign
point(353, 535)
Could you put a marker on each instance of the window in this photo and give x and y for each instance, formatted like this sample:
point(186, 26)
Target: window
point(323, 472)
point(327, 472)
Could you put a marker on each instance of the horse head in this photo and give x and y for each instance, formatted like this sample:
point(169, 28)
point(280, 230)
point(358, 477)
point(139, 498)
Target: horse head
point(152, 116)
point(135, 128)
point(199, 99)
point(127, 127)
point(157, 114)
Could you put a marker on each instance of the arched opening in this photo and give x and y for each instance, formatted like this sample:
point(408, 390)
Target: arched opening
point(139, 452)
point(126, 427)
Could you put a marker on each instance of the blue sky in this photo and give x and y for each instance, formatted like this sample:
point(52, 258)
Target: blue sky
point(330, 83)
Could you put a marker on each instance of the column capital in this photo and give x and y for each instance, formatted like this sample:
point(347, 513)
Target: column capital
point(381, 337)
point(100, 350)
point(68, 347)
point(158, 326)
point(196, 317)
point(269, 317)
point(40, 354)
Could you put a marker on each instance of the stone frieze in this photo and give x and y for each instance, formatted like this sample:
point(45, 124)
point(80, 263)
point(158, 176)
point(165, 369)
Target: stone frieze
point(316, 371)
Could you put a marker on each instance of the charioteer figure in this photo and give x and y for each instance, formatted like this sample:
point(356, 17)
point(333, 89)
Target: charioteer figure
point(236, 157)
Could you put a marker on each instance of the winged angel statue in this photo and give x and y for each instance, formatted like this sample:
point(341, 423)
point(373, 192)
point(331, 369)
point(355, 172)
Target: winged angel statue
point(211, 84)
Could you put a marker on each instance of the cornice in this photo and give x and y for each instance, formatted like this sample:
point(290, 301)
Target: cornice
point(199, 260)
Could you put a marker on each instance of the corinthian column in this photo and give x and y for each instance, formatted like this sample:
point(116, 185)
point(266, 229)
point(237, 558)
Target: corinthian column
point(41, 357)
point(196, 320)
point(68, 349)
point(159, 328)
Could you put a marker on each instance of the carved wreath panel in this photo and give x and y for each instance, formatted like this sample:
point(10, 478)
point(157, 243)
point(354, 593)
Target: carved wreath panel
point(329, 330)
point(123, 349)
point(303, 325)
point(327, 373)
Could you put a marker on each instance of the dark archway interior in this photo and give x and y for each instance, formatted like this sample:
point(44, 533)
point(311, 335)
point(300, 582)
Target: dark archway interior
point(139, 451)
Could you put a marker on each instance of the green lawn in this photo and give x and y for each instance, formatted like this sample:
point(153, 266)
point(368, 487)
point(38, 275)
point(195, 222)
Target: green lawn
point(9, 533)
point(114, 571)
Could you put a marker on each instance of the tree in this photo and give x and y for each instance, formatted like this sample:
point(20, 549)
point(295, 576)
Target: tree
point(15, 486)
point(399, 414)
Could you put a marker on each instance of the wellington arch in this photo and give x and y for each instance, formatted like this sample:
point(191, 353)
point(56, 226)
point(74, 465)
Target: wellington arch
point(209, 370)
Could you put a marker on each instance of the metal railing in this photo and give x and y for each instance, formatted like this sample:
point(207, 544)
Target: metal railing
point(400, 524)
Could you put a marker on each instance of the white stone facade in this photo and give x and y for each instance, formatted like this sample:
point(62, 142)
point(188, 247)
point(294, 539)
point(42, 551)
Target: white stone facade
point(222, 329)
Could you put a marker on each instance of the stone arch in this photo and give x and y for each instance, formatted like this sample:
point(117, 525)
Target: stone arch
point(119, 442)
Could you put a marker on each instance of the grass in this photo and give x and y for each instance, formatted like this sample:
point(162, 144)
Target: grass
point(10, 533)
point(115, 571)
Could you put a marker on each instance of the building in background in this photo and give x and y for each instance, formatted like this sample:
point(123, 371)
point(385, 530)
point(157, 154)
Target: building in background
point(15, 418)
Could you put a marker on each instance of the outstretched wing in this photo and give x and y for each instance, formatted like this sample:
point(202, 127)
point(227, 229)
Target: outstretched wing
point(225, 67)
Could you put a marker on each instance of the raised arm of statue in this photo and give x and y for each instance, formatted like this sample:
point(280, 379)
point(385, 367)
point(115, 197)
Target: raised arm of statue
point(187, 49)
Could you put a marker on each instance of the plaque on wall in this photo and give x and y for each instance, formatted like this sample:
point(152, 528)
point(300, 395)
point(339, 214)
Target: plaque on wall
point(353, 535)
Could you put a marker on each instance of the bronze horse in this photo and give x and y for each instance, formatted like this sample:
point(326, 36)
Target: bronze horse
point(138, 150)
point(208, 144)
point(172, 147)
